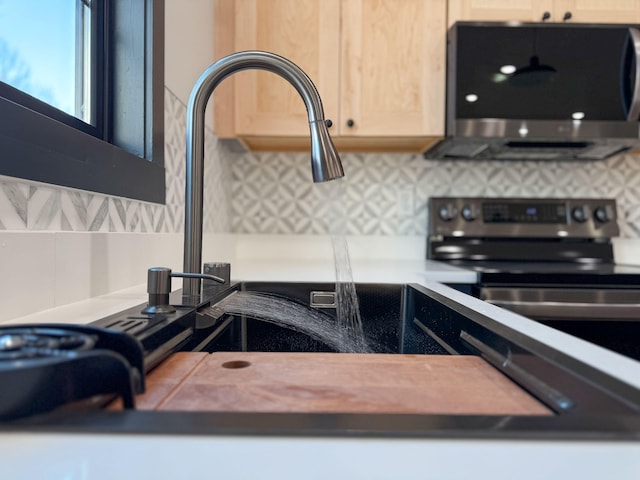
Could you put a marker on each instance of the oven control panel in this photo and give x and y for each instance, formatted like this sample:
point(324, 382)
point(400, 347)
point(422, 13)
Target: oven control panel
point(523, 217)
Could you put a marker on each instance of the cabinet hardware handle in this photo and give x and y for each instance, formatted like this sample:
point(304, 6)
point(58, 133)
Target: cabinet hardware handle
point(566, 16)
point(350, 123)
point(546, 16)
point(328, 123)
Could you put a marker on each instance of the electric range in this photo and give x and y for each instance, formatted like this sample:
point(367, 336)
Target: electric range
point(551, 260)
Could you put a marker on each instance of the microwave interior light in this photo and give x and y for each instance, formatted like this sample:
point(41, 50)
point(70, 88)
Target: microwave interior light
point(507, 69)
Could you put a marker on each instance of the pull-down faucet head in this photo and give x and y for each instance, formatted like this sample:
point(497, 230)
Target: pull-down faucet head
point(325, 161)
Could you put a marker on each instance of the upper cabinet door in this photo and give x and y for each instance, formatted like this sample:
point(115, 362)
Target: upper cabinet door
point(379, 66)
point(599, 11)
point(583, 11)
point(393, 67)
point(499, 10)
point(307, 32)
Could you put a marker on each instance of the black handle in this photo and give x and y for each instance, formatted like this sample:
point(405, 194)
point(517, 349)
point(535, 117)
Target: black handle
point(567, 16)
point(546, 16)
point(328, 123)
point(350, 123)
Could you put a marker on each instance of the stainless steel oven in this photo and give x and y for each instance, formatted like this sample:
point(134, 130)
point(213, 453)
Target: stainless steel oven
point(550, 260)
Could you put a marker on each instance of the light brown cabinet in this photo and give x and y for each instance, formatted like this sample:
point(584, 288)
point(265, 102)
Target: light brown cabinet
point(583, 11)
point(379, 67)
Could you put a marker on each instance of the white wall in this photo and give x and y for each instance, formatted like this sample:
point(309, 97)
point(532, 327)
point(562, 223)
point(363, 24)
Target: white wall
point(188, 43)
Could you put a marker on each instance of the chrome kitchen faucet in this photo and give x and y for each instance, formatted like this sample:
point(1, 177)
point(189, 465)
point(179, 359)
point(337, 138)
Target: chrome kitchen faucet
point(325, 161)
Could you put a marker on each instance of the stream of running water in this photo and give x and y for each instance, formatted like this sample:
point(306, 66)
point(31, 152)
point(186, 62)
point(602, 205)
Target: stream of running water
point(345, 332)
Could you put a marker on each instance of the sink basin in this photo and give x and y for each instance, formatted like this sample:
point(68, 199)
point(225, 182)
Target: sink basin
point(386, 326)
point(412, 319)
point(403, 319)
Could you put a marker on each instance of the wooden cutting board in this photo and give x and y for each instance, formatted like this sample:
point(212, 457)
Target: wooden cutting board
point(334, 382)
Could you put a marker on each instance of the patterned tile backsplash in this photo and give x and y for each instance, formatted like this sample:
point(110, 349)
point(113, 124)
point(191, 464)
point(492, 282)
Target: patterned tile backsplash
point(381, 194)
point(386, 194)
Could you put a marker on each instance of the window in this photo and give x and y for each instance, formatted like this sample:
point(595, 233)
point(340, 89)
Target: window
point(81, 94)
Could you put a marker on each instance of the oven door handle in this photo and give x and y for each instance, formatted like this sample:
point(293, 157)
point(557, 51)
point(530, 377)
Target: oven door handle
point(571, 310)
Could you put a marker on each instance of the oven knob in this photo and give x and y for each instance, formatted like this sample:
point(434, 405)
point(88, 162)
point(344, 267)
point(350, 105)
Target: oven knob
point(467, 213)
point(600, 214)
point(447, 212)
point(580, 214)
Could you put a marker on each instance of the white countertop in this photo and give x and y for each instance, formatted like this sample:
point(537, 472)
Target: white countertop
point(363, 271)
point(109, 457)
point(295, 270)
point(90, 456)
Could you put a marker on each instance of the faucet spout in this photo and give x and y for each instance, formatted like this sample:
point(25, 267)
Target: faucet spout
point(325, 161)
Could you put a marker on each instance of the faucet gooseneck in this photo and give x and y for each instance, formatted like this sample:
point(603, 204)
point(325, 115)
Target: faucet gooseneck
point(325, 161)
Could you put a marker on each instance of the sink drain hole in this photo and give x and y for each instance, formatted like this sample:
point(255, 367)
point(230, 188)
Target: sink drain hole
point(236, 364)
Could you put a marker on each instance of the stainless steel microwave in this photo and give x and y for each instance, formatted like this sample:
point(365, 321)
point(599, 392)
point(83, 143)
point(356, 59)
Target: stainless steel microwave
point(541, 91)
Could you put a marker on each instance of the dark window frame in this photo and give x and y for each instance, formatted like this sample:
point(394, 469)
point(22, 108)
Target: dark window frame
point(129, 160)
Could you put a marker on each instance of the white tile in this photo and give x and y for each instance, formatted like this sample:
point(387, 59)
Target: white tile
point(73, 206)
point(27, 268)
point(121, 260)
point(72, 267)
point(44, 211)
point(13, 205)
point(98, 213)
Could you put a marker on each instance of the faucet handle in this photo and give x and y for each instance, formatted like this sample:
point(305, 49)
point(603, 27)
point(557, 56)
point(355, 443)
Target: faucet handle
point(203, 276)
point(159, 288)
